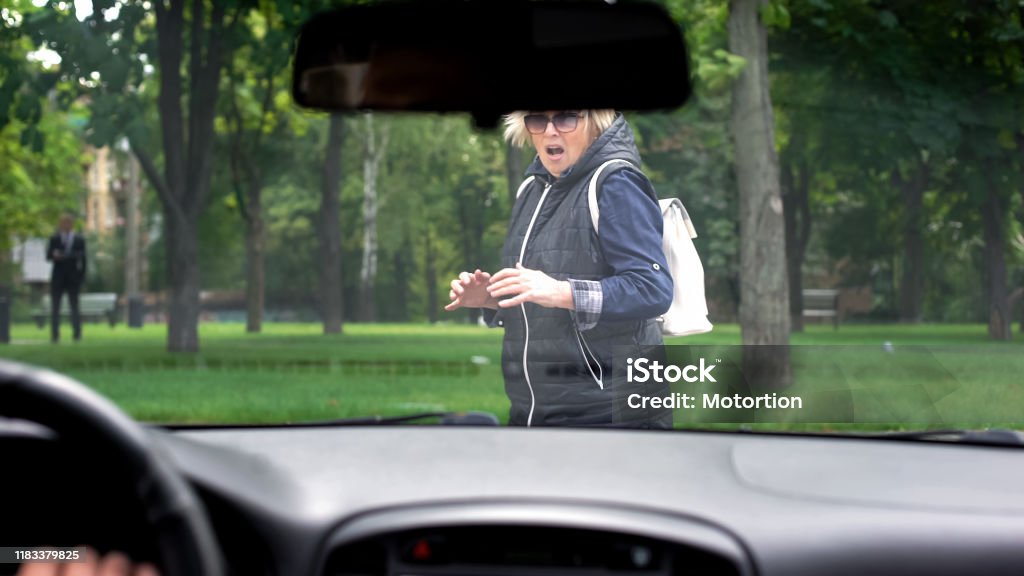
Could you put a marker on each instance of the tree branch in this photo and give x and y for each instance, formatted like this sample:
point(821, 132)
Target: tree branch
point(169, 29)
point(1014, 296)
point(214, 50)
point(239, 10)
point(99, 18)
point(268, 102)
point(203, 110)
point(385, 136)
point(804, 206)
point(236, 138)
point(195, 76)
point(153, 175)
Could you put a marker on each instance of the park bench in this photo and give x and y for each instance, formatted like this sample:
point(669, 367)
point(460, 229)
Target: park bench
point(93, 307)
point(822, 303)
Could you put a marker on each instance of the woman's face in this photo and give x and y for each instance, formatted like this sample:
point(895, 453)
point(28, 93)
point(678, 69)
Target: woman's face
point(559, 150)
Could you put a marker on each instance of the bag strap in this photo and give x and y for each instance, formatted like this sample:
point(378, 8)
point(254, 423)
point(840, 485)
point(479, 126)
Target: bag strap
point(524, 185)
point(595, 212)
point(668, 205)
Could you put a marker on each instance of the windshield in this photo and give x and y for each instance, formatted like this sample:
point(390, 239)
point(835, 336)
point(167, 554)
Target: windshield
point(847, 253)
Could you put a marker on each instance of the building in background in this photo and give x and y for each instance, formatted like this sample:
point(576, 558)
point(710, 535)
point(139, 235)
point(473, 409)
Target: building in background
point(113, 204)
point(103, 184)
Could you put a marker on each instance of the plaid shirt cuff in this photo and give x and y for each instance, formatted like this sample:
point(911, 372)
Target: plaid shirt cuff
point(587, 299)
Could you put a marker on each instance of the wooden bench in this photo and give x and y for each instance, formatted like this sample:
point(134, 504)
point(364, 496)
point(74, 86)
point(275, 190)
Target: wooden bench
point(92, 307)
point(822, 303)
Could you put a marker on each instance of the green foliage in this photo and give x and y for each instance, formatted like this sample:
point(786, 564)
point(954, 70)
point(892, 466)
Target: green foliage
point(105, 272)
point(443, 179)
point(36, 186)
point(40, 152)
point(703, 22)
point(864, 94)
point(774, 14)
point(876, 91)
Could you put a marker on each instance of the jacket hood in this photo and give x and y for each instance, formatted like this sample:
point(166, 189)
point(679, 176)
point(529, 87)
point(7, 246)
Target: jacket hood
point(615, 143)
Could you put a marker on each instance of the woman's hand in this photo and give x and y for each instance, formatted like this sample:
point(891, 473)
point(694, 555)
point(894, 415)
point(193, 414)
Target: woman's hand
point(470, 291)
point(113, 564)
point(526, 285)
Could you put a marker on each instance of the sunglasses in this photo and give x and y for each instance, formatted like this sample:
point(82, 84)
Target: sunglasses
point(563, 121)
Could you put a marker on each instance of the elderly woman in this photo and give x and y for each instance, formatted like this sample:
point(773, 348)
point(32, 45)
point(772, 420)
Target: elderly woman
point(570, 298)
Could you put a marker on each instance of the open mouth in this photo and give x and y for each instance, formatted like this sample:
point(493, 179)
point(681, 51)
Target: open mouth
point(554, 152)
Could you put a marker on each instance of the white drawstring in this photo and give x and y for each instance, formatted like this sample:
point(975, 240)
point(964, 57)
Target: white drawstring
point(599, 377)
point(526, 323)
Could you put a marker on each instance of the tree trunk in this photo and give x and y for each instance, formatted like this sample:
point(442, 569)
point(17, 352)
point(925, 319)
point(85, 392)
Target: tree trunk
point(1020, 190)
point(6, 294)
point(793, 268)
point(7, 273)
point(131, 230)
point(1014, 298)
point(764, 295)
point(368, 273)
point(247, 175)
point(431, 276)
point(255, 242)
point(402, 283)
point(796, 210)
point(187, 150)
point(999, 319)
point(514, 169)
point(183, 277)
point(912, 284)
point(329, 229)
point(1013, 301)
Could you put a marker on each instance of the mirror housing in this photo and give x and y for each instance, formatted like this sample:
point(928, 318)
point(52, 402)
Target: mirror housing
point(490, 57)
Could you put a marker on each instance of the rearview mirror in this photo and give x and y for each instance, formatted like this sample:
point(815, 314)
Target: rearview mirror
point(490, 57)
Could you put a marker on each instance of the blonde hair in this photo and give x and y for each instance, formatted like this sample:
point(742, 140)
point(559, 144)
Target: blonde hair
point(515, 129)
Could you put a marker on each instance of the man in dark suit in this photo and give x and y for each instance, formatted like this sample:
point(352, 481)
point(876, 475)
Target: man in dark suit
point(66, 250)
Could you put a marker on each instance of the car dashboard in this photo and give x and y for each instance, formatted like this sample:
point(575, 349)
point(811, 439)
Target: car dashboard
point(456, 501)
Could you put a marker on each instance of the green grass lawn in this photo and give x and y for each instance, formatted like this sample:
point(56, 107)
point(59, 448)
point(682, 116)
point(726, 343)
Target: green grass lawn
point(938, 375)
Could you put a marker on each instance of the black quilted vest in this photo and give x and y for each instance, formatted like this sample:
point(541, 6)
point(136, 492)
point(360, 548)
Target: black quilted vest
point(549, 369)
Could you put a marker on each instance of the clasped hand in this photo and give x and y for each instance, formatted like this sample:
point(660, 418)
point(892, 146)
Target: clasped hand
point(482, 290)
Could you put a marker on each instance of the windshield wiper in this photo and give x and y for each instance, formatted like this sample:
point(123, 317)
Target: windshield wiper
point(985, 437)
point(470, 418)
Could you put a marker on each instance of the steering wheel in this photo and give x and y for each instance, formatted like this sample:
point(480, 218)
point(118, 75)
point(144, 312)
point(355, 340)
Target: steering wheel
point(185, 538)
